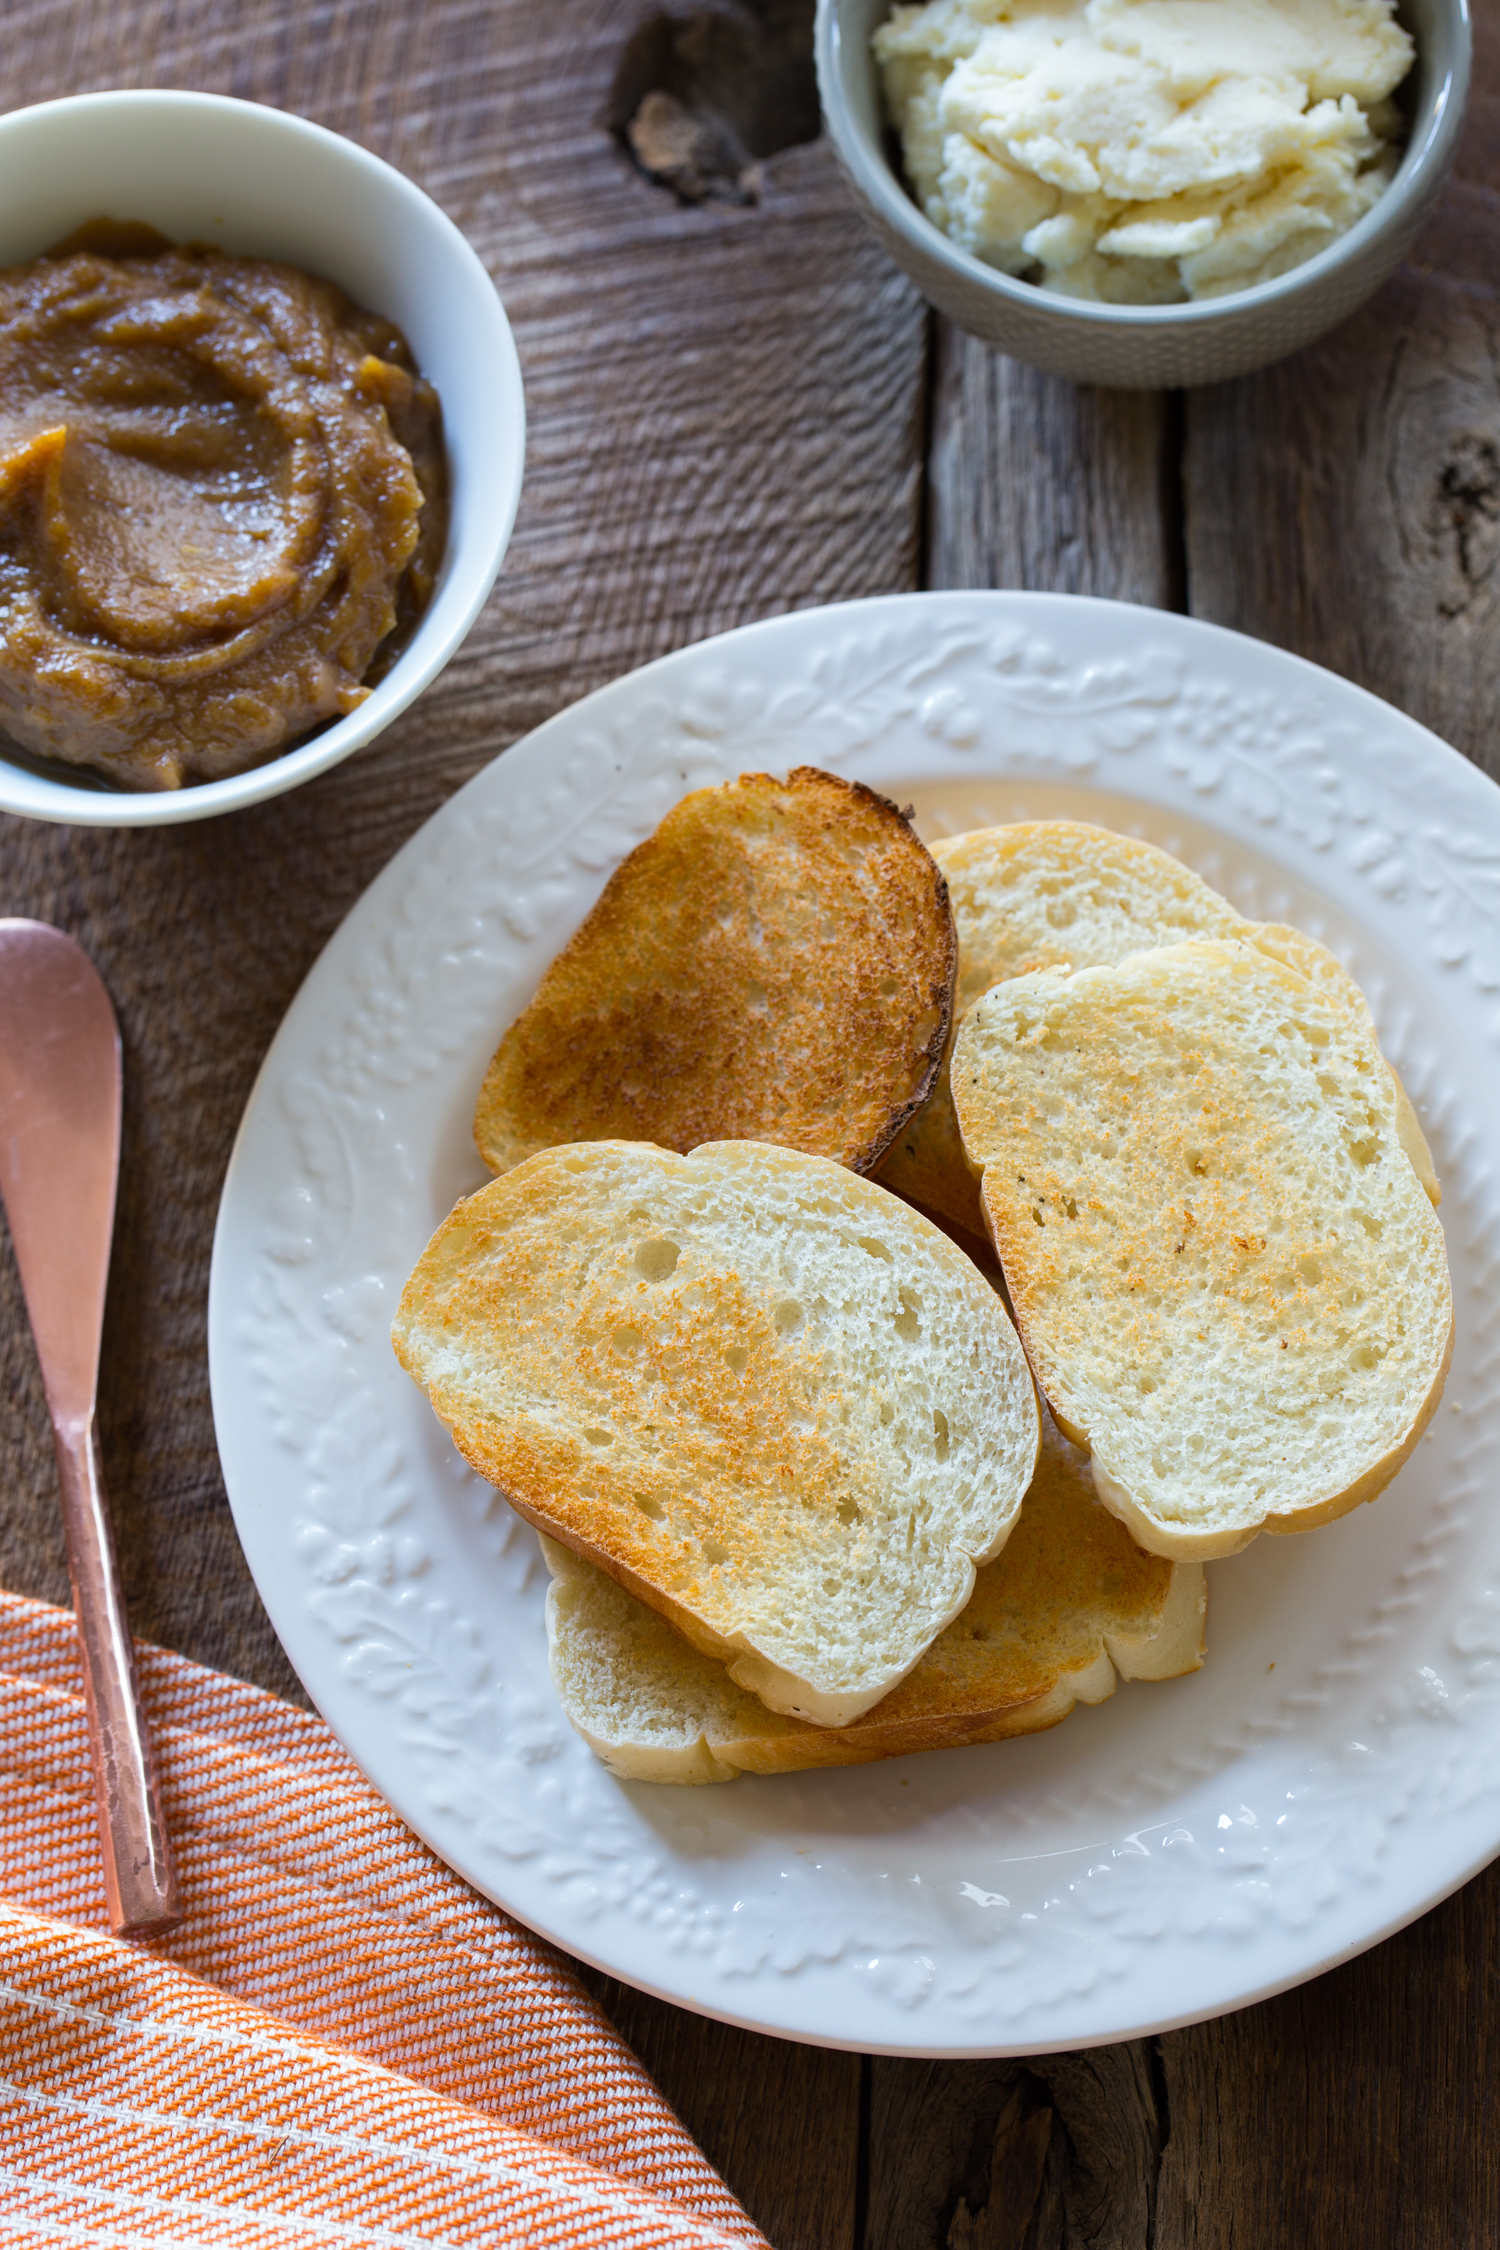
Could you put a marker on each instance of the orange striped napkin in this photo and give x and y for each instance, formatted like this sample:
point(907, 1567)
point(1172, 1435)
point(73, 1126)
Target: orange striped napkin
point(342, 2045)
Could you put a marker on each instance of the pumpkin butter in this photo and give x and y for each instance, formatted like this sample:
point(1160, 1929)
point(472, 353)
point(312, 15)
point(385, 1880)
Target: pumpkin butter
point(222, 506)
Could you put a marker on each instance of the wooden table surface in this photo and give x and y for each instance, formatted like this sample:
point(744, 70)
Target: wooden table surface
point(736, 409)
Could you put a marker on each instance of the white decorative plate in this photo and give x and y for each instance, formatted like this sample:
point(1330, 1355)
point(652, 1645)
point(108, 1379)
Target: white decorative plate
point(1173, 1853)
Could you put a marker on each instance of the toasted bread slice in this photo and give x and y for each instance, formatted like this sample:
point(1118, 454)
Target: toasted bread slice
point(775, 963)
point(767, 1396)
point(1230, 1284)
point(1061, 893)
point(1071, 1602)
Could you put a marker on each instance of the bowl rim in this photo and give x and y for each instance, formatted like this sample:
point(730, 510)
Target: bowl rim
point(1425, 159)
point(81, 804)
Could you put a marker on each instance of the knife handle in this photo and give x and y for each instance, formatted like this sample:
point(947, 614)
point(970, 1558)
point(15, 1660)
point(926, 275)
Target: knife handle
point(140, 1881)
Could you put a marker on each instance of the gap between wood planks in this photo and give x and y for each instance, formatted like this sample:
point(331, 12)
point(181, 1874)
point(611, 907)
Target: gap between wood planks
point(1035, 482)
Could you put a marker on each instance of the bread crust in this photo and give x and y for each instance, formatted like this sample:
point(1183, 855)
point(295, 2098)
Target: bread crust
point(776, 962)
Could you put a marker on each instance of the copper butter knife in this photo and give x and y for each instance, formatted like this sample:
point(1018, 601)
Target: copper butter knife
point(59, 1162)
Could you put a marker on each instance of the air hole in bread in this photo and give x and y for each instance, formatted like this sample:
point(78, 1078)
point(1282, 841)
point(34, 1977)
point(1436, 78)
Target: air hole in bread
point(889, 987)
point(714, 1553)
point(887, 1414)
point(651, 1508)
point(736, 1358)
point(599, 1437)
point(848, 1513)
point(627, 1339)
point(908, 1320)
point(940, 1433)
point(1371, 1225)
point(876, 1249)
point(757, 999)
point(656, 1260)
point(787, 1316)
point(1363, 1152)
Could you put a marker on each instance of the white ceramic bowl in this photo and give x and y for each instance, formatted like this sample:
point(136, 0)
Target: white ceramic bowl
point(1141, 347)
point(256, 181)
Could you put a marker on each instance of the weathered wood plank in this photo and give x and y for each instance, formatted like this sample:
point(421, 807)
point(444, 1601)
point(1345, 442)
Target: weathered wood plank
point(724, 422)
point(1033, 482)
point(1359, 2113)
point(1039, 483)
point(1346, 504)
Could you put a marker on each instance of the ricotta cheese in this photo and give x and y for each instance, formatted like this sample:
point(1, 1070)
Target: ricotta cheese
point(1145, 151)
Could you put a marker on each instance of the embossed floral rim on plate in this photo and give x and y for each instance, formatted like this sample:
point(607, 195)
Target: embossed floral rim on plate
point(1173, 1853)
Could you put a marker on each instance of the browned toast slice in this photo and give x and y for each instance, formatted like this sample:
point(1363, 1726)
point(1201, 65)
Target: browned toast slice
point(775, 963)
point(765, 1394)
point(1231, 1285)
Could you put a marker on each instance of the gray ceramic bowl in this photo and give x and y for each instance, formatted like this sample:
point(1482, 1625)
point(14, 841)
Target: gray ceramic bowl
point(1142, 347)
